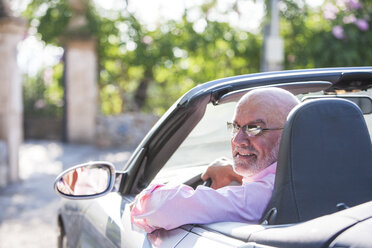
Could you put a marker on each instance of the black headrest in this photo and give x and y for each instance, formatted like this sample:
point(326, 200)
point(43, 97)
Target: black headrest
point(325, 158)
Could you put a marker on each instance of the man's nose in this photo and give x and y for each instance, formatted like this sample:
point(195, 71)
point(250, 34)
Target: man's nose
point(241, 138)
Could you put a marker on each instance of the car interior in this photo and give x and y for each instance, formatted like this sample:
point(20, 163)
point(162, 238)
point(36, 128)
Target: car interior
point(161, 145)
point(324, 166)
point(213, 124)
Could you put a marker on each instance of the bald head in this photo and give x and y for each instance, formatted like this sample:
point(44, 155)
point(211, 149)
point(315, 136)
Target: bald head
point(267, 108)
point(275, 103)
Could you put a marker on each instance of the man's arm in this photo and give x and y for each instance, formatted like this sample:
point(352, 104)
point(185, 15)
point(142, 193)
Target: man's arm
point(222, 174)
point(168, 207)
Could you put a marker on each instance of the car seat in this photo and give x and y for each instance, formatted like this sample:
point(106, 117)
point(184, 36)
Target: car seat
point(324, 163)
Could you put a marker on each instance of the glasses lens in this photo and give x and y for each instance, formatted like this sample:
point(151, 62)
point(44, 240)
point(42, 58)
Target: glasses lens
point(232, 127)
point(252, 130)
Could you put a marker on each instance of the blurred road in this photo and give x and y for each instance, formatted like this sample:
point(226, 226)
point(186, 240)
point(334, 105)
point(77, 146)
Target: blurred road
point(28, 208)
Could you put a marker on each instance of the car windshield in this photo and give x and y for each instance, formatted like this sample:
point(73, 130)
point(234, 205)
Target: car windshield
point(209, 140)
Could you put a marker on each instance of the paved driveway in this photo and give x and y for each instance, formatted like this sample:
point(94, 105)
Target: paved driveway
point(28, 208)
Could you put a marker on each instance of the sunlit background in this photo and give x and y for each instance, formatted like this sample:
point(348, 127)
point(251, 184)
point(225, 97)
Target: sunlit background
point(140, 56)
point(35, 55)
point(133, 59)
point(199, 33)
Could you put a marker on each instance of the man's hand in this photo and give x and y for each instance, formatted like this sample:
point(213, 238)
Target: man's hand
point(221, 172)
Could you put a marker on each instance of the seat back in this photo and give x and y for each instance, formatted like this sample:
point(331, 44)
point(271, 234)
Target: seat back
point(325, 158)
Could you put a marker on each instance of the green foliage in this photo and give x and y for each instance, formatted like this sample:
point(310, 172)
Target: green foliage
point(170, 60)
point(352, 48)
point(111, 102)
point(328, 36)
point(147, 70)
point(43, 94)
point(52, 23)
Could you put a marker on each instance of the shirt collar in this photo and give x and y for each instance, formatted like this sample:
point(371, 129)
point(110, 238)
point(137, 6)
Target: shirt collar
point(271, 169)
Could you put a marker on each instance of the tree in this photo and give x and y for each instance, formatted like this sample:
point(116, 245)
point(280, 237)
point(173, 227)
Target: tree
point(141, 69)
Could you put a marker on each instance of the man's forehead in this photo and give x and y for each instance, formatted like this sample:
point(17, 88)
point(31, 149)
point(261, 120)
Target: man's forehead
point(253, 112)
point(254, 104)
point(252, 109)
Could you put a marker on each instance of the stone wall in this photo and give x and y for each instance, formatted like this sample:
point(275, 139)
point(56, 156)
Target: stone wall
point(49, 128)
point(125, 130)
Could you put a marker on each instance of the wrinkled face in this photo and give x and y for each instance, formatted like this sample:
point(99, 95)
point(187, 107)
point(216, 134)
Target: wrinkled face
point(253, 154)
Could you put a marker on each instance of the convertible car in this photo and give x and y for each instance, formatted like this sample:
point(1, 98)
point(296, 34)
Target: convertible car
point(323, 187)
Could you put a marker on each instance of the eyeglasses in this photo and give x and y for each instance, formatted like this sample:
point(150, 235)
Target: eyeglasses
point(250, 130)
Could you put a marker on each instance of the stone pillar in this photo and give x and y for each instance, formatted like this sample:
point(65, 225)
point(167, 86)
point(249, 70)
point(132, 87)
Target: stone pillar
point(11, 110)
point(81, 90)
point(274, 45)
point(3, 164)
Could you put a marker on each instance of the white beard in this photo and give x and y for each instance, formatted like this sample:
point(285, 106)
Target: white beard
point(256, 167)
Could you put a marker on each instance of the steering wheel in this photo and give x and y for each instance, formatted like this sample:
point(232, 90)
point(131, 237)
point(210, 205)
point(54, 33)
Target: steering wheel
point(196, 181)
point(207, 182)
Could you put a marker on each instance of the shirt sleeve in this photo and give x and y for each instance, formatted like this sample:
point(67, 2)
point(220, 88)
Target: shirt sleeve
point(165, 206)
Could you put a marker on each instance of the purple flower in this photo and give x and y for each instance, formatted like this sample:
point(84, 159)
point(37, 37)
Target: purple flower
point(362, 24)
point(330, 11)
point(349, 19)
point(338, 32)
point(341, 3)
point(354, 4)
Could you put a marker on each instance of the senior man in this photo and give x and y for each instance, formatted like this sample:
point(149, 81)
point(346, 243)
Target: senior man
point(256, 131)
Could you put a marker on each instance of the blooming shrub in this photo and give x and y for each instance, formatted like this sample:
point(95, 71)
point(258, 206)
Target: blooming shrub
point(347, 14)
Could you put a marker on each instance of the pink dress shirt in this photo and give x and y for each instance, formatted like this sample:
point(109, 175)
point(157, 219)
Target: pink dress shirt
point(164, 206)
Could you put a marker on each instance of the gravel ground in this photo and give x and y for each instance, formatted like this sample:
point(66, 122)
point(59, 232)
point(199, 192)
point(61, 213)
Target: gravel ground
point(29, 207)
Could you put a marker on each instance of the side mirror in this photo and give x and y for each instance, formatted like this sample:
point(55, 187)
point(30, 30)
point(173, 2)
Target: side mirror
point(86, 181)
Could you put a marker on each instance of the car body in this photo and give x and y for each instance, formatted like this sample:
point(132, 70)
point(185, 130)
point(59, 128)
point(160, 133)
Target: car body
point(189, 136)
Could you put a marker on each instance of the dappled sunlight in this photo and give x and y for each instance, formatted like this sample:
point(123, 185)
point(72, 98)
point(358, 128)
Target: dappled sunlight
point(89, 72)
point(51, 158)
point(22, 219)
point(30, 206)
point(39, 158)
